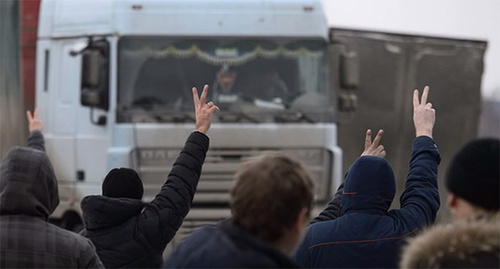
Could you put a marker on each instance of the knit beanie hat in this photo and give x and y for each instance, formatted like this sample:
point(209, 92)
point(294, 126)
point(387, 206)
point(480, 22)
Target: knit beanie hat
point(473, 174)
point(122, 183)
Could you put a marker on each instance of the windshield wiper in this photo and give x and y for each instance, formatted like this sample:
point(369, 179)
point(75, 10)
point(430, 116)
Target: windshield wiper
point(178, 117)
point(297, 116)
point(236, 117)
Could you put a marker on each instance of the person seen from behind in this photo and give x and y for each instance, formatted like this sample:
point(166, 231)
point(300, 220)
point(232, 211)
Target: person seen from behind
point(28, 196)
point(473, 239)
point(473, 179)
point(270, 201)
point(364, 233)
point(129, 233)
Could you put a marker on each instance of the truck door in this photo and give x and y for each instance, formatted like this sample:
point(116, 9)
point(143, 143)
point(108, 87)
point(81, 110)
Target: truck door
point(76, 146)
point(391, 66)
point(57, 101)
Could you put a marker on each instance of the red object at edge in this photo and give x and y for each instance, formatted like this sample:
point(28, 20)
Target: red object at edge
point(29, 11)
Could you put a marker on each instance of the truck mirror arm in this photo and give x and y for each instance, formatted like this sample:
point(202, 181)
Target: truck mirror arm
point(101, 120)
point(78, 48)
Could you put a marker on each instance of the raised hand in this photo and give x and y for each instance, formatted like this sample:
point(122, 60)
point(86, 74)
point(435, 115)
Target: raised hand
point(424, 116)
point(34, 124)
point(373, 148)
point(203, 111)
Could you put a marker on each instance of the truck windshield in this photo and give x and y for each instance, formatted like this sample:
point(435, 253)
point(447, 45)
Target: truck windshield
point(251, 80)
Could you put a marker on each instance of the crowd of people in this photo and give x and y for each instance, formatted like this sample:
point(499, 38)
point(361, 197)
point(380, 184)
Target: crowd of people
point(271, 203)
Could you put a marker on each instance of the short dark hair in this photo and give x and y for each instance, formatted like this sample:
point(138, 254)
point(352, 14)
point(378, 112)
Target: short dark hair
point(474, 173)
point(268, 194)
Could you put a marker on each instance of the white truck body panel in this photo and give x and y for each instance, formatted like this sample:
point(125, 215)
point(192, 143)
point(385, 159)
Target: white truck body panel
point(246, 18)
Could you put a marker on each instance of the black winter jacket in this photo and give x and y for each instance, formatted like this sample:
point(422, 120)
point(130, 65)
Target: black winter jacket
point(129, 233)
point(225, 245)
point(28, 195)
point(367, 234)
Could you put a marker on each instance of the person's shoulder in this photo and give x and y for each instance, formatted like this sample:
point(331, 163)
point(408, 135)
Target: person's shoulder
point(447, 243)
point(205, 235)
point(206, 246)
point(209, 239)
point(69, 238)
point(315, 233)
point(322, 225)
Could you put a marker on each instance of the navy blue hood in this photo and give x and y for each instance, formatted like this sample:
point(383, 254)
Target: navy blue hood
point(370, 186)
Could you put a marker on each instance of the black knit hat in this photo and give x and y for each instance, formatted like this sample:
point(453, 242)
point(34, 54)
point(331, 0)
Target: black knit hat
point(122, 183)
point(473, 174)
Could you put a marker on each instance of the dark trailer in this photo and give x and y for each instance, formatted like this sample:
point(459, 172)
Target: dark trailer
point(389, 67)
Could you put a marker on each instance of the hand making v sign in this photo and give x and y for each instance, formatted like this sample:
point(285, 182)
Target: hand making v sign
point(424, 116)
point(203, 112)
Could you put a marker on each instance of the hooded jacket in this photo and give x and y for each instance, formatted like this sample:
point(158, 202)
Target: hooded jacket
point(28, 195)
point(129, 233)
point(462, 244)
point(367, 233)
point(226, 245)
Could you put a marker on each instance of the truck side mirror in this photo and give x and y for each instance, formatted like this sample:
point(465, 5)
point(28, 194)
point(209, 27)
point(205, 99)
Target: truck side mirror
point(95, 75)
point(348, 102)
point(349, 70)
point(344, 68)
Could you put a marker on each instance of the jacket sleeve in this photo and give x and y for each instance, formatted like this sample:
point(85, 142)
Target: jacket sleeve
point(332, 210)
point(36, 140)
point(161, 218)
point(420, 199)
point(301, 256)
point(90, 257)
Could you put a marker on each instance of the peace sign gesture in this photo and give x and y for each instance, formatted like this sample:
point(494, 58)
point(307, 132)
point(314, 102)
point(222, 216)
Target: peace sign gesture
point(203, 112)
point(34, 124)
point(373, 148)
point(424, 116)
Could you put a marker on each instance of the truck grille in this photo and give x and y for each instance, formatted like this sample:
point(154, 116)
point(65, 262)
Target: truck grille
point(220, 166)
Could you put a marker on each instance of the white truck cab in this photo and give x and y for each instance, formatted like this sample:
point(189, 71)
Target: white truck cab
point(113, 88)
